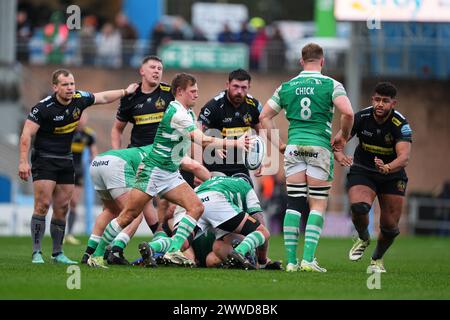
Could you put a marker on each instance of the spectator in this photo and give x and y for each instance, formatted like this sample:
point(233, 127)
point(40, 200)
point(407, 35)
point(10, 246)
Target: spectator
point(198, 35)
point(109, 47)
point(226, 36)
point(87, 39)
point(129, 36)
point(259, 43)
point(275, 51)
point(24, 33)
point(246, 35)
point(177, 32)
point(56, 34)
point(159, 36)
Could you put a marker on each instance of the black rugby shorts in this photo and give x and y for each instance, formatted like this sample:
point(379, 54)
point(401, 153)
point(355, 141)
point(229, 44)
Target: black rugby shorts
point(55, 169)
point(381, 184)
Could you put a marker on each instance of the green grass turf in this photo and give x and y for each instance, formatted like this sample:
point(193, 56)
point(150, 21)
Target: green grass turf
point(418, 268)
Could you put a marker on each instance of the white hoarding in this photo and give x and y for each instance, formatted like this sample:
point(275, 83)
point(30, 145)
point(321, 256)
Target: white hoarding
point(211, 18)
point(393, 10)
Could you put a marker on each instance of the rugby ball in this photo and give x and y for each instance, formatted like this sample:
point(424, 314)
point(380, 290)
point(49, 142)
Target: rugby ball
point(254, 157)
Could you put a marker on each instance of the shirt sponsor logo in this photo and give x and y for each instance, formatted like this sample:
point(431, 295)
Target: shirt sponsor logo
point(234, 132)
point(148, 118)
point(66, 129)
point(227, 120)
point(206, 112)
point(58, 118)
point(377, 149)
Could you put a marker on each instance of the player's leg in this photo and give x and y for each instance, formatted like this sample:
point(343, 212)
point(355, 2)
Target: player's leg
point(43, 190)
point(110, 211)
point(134, 205)
point(391, 209)
point(116, 255)
point(295, 170)
point(319, 176)
point(72, 216)
point(255, 235)
point(184, 196)
point(61, 199)
point(361, 196)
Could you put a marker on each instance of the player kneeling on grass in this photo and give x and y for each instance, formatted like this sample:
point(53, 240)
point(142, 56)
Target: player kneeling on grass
point(228, 203)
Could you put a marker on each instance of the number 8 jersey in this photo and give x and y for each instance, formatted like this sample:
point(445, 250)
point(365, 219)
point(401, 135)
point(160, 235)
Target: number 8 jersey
point(308, 102)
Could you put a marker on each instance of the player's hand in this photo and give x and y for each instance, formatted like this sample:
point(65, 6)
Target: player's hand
point(131, 88)
point(338, 143)
point(24, 170)
point(282, 148)
point(258, 172)
point(244, 142)
point(381, 167)
point(343, 159)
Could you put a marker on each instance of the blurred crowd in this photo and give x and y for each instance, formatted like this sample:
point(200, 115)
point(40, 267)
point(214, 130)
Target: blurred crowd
point(113, 44)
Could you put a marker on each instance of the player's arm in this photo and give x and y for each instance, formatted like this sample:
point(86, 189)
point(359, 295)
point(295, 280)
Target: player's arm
point(196, 168)
point(116, 133)
point(266, 122)
point(343, 104)
point(29, 130)
point(198, 137)
point(403, 150)
point(113, 95)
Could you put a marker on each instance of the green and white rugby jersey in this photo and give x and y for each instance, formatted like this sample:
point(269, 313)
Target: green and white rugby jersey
point(132, 156)
point(235, 190)
point(308, 102)
point(172, 139)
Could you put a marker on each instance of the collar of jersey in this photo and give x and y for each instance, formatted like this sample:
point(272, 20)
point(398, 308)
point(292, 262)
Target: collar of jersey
point(310, 72)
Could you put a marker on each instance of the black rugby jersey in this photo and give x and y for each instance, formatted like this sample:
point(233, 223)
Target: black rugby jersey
point(145, 112)
point(57, 123)
point(229, 122)
point(378, 140)
point(81, 139)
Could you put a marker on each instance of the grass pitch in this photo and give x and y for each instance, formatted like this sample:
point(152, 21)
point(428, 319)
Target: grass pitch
point(418, 268)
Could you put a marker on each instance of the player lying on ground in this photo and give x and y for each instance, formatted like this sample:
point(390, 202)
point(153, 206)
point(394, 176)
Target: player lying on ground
point(229, 203)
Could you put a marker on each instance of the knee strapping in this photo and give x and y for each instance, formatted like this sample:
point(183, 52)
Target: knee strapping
point(319, 192)
point(297, 195)
point(360, 208)
point(249, 226)
point(390, 233)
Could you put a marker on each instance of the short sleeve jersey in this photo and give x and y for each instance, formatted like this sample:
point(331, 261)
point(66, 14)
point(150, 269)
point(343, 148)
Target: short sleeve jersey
point(308, 103)
point(172, 139)
point(378, 140)
point(224, 120)
point(81, 139)
point(57, 123)
point(145, 112)
point(235, 190)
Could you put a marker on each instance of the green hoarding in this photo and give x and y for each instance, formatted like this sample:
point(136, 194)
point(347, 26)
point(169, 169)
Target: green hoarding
point(204, 55)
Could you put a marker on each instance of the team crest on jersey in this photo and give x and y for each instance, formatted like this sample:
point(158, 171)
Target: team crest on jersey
point(160, 104)
point(247, 119)
point(388, 138)
point(401, 186)
point(76, 114)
